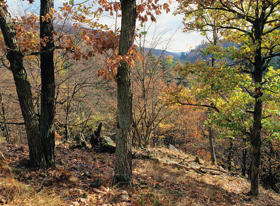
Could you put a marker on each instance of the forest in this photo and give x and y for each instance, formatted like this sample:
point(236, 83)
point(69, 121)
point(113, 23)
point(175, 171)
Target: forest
point(92, 114)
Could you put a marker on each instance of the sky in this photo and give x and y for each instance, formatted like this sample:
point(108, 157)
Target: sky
point(165, 34)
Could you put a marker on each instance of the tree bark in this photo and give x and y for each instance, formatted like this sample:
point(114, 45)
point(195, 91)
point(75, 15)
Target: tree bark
point(271, 183)
point(230, 154)
point(5, 127)
point(256, 144)
point(258, 107)
point(123, 163)
point(213, 154)
point(210, 130)
point(47, 82)
point(244, 168)
point(23, 88)
point(67, 132)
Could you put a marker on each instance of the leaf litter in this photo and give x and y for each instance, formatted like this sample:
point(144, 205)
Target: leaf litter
point(170, 178)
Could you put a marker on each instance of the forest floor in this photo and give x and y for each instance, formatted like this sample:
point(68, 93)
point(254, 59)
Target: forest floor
point(174, 178)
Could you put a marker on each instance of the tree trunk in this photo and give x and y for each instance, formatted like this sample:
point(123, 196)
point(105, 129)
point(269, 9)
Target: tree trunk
point(244, 168)
point(67, 132)
point(47, 83)
point(230, 154)
point(5, 127)
point(271, 183)
point(135, 126)
point(23, 88)
point(256, 143)
point(123, 163)
point(258, 107)
point(213, 154)
point(210, 130)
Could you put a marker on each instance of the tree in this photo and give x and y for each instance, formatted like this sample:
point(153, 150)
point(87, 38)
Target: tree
point(123, 165)
point(149, 84)
point(127, 54)
point(254, 26)
point(40, 137)
point(47, 81)
point(15, 58)
point(4, 126)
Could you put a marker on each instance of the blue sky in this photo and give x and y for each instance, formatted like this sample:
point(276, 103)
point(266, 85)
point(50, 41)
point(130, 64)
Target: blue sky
point(165, 27)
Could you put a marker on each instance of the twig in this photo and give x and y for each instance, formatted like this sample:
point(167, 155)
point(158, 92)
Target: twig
point(41, 185)
point(2, 155)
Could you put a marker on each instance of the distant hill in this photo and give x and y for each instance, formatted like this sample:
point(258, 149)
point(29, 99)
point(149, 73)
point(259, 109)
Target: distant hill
point(196, 53)
point(156, 52)
point(160, 52)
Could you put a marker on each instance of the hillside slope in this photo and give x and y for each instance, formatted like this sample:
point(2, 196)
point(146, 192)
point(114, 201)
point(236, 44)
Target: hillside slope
point(169, 178)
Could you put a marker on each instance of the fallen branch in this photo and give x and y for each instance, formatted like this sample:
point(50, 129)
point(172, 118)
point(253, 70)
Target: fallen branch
point(2, 155)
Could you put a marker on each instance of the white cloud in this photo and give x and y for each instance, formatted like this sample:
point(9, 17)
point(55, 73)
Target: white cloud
point(180, 41)
point(166, 25)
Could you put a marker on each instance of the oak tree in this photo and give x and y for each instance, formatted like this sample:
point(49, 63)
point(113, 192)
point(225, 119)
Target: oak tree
point(47, 81)
point(254, 28)
point(40, 133)
point(15, 58)
point(123, 166)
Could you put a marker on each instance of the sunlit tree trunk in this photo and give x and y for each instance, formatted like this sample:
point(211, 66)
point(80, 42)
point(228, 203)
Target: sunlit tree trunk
point(123, 163)
point(210, 129)
point(213, 154)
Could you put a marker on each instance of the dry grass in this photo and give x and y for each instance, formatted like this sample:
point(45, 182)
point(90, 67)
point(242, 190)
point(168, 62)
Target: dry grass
point(16, 193)
point(173, 186)
point(155, 183)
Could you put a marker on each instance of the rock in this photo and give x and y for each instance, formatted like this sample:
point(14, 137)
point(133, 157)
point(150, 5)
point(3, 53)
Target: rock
point(102, 144)
point(107, 140)
point(172, 147)
point(79, 167)
point(124, 195)
point(222, 169)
